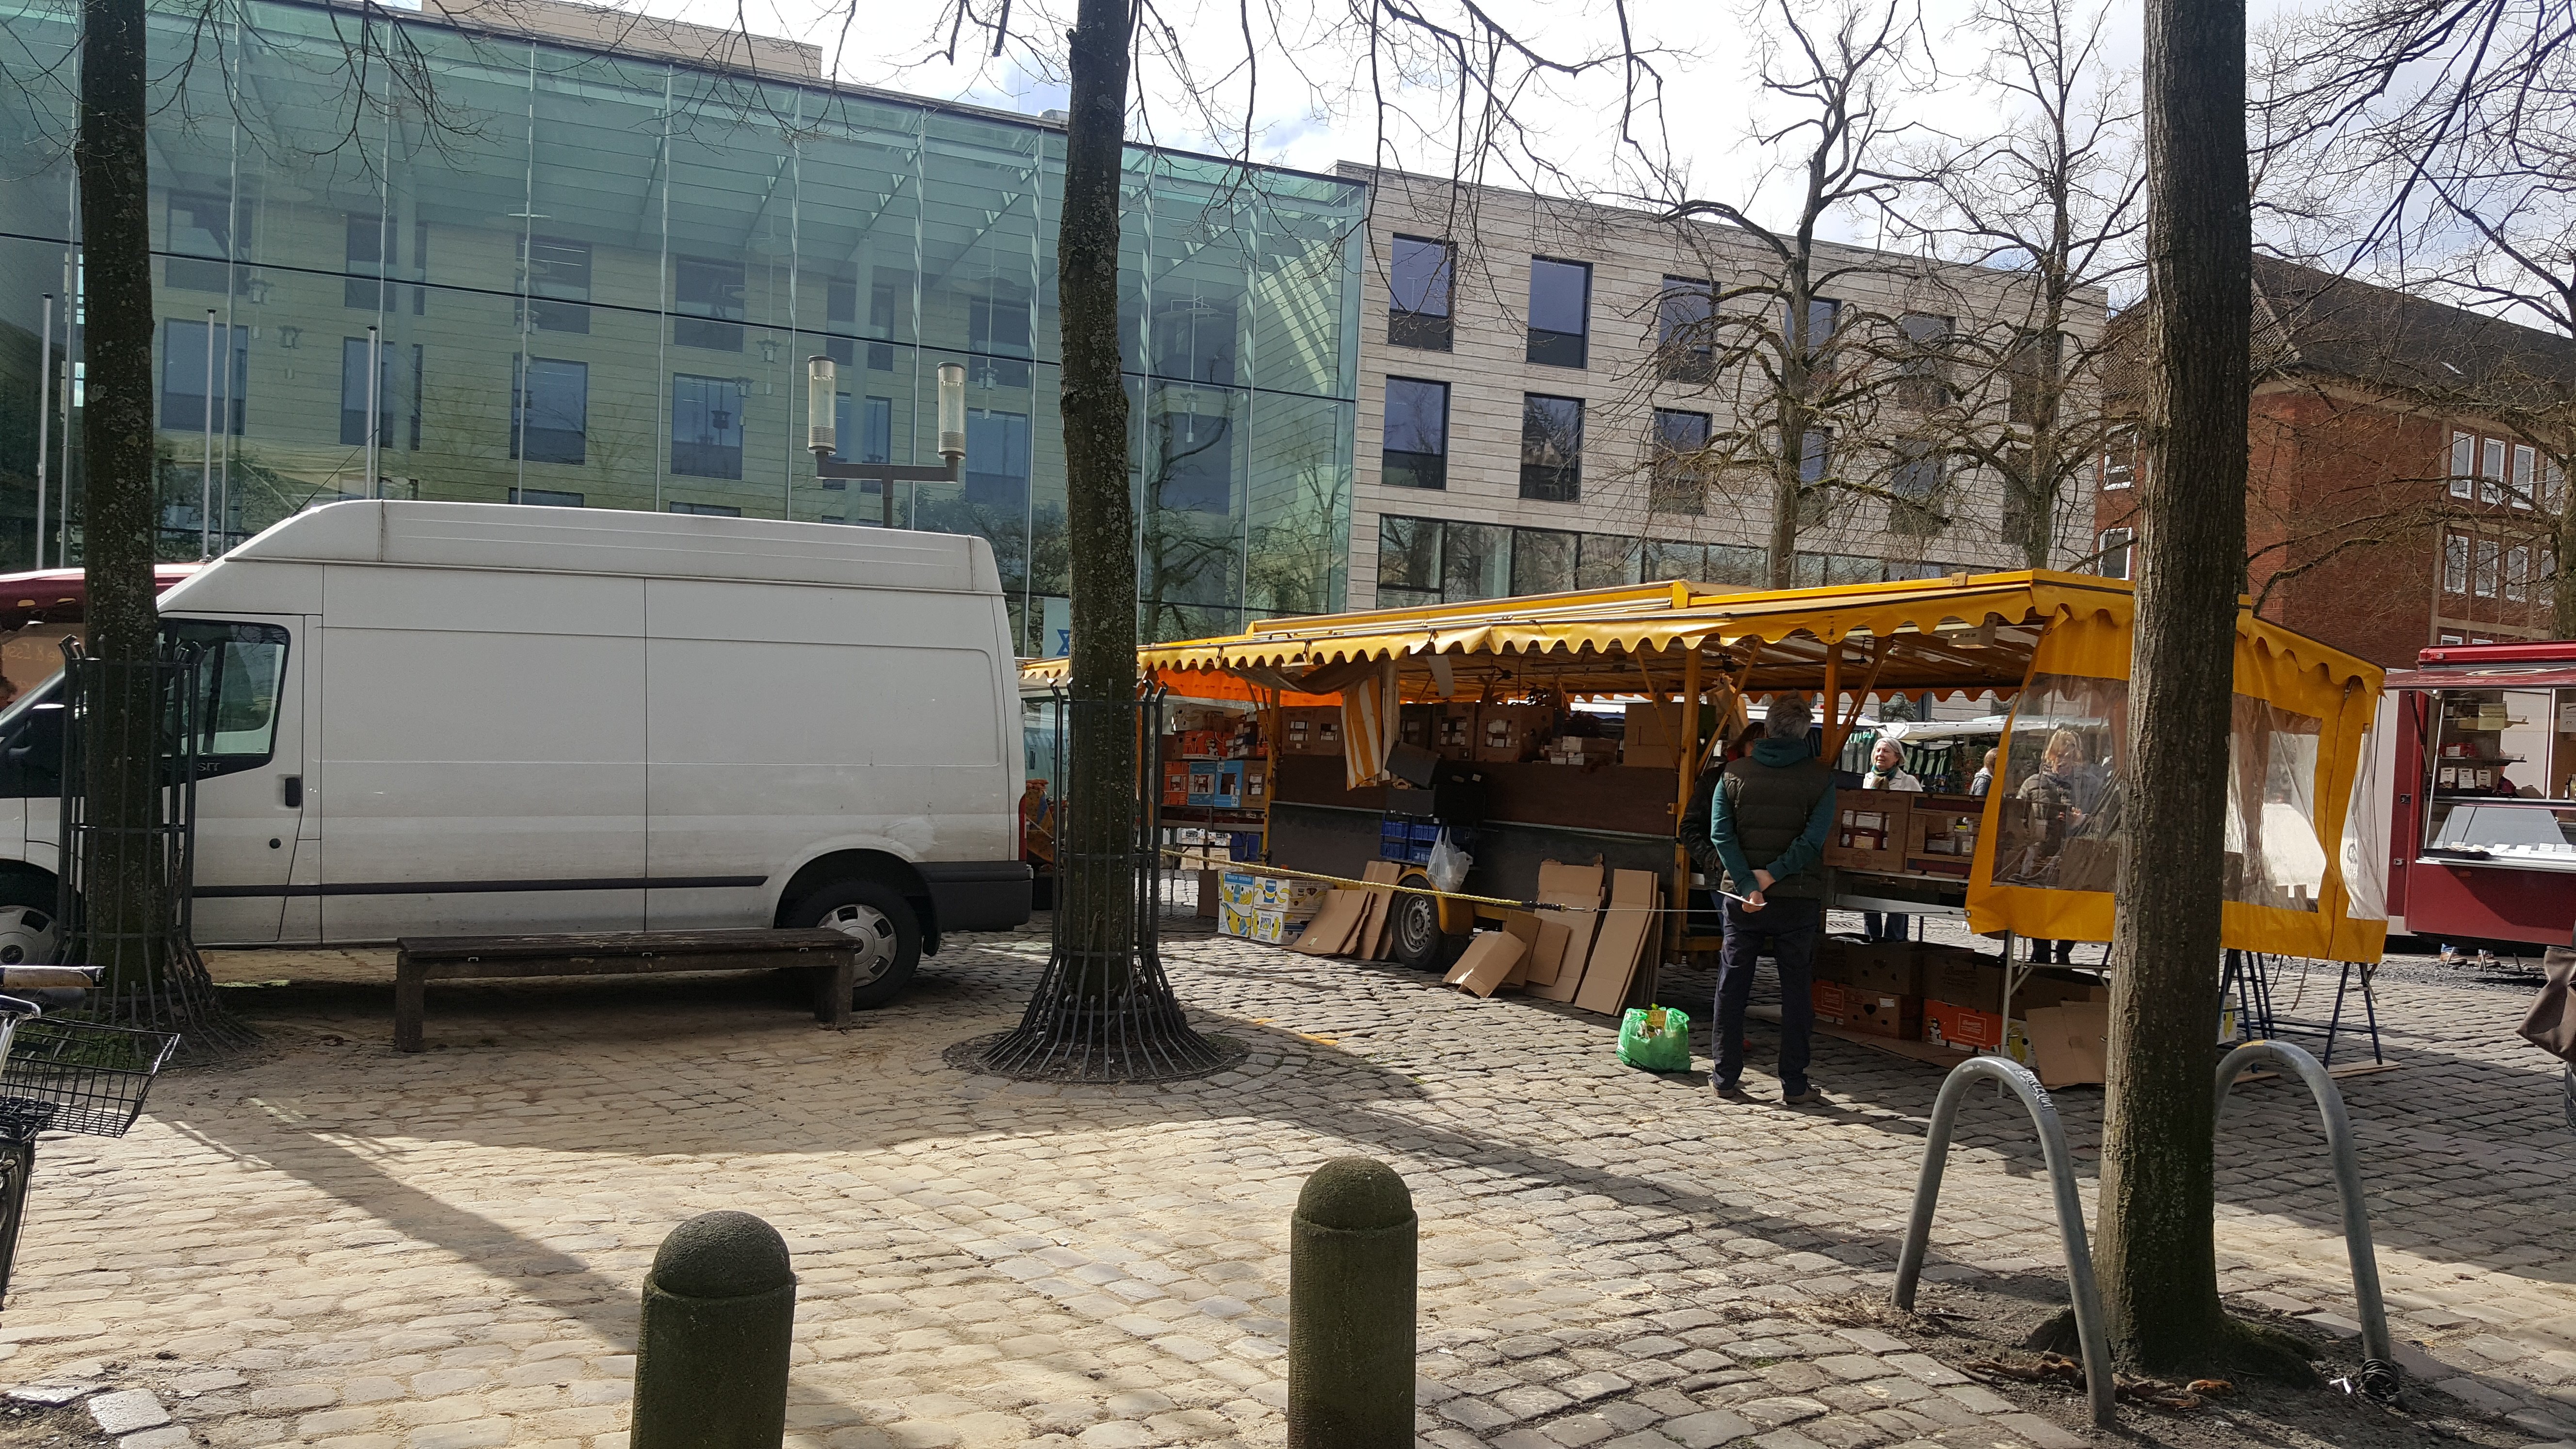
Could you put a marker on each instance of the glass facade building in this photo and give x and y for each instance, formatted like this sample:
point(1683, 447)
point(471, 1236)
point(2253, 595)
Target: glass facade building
point(594, 279)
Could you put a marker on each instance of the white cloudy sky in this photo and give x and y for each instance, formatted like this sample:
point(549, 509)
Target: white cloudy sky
point(1314, 105)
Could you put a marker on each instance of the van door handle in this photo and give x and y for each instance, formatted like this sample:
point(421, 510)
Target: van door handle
point(294, 792)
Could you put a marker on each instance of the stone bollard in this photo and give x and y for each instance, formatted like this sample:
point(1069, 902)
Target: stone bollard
point(711, 1358)
point(1351, 1281)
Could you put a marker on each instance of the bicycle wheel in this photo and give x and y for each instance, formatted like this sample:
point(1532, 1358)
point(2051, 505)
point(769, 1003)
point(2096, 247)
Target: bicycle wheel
point(17, 1164)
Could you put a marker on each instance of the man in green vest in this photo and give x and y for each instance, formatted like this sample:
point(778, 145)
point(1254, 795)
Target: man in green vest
point(1773, 806)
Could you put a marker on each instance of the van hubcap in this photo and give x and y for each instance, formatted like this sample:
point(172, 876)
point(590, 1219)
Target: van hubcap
point(26, 935)
point(872, 929)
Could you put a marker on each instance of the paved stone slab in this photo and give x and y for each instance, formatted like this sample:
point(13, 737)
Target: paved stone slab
point(439, 1252)
point(126, 1410)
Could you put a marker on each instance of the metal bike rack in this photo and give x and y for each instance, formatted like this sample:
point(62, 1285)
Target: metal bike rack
point(2098, 1384)
point(2378, 1368)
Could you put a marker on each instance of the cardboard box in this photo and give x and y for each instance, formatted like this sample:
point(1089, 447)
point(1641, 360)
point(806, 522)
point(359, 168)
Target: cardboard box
point(1649, 757)
point(1241, 888)
point(1941, 834)
point(1833, 1001)
point(1893, 968)
point(1506, 733)
point(1258, 923)
point(1961, 1028)
point(1579, 750)
point(1311, 729)
point(1488, 962)
point(1455, 737)
point(1256, 784)
point(2071, 1044)
point(1229, 786)
point(1869, 831)
point(1879, 1013)
point(1176, 782)
point(1211, 892)
point(1202, 783)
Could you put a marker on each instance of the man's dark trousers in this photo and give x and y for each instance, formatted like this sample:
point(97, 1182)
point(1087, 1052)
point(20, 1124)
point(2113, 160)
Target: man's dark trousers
point(1786, 929)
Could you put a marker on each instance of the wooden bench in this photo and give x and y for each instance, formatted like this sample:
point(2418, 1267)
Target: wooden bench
point(830, 957)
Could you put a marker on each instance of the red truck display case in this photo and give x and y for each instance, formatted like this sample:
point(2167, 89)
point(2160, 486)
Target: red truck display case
point(2482, 818)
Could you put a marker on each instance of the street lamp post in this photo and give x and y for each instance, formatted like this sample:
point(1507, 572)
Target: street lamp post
point(822, 436)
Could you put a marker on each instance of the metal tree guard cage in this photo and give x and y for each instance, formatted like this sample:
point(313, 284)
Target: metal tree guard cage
point(1106, 1013)
point(121, 708)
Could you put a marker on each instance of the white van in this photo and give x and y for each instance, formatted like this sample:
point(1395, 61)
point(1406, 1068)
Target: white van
point(465, 718)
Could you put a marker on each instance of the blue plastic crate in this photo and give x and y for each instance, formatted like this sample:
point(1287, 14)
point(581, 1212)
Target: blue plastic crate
point(1394, 830)
point(1418, 854)
point(1394, 850)
point(1243, 845)
point(1426, 832)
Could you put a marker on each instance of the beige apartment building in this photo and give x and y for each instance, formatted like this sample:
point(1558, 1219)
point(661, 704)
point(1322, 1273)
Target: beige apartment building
point(1557, 395)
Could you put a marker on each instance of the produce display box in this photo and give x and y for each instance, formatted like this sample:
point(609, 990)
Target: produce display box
point(1869, 831)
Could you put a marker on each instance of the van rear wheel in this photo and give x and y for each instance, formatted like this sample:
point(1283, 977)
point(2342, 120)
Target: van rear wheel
point(876, 916)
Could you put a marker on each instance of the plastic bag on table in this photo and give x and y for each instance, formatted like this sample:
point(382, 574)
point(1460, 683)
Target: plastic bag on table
point(1656, 1038)
point(1448, 865)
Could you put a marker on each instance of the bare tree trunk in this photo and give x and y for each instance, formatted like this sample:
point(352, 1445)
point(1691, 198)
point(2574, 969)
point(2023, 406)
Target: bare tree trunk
point(1096, 916)
point(126, 901)
point(2562, 535)
point(2157, 1255)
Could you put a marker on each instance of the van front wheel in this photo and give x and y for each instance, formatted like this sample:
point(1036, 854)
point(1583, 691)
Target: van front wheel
point(876, 916)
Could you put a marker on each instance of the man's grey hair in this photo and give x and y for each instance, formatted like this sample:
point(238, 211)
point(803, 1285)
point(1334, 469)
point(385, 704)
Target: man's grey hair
point(1787, 718)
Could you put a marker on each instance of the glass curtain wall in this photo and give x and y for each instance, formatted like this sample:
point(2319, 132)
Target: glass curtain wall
point(594, 281)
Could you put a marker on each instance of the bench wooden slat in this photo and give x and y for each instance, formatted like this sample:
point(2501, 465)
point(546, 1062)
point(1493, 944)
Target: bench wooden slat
point(829, 958)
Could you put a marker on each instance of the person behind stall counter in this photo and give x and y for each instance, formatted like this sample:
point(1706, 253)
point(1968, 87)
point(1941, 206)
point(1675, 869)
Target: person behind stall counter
point(1776, 805)
point(1985, 779)
point(1887, 772)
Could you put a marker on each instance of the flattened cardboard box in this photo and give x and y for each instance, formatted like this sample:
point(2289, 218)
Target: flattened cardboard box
point(1487, 964)
point(1625, 926)
point(1576, 888)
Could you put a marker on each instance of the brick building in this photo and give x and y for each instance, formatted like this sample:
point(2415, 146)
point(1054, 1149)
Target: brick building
point(2395, 499)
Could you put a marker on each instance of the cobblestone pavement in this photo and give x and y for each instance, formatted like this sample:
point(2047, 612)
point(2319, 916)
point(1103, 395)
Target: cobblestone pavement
point(338, 1245)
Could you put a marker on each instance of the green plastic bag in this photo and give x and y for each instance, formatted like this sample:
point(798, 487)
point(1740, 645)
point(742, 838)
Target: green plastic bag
point(1655, 1038)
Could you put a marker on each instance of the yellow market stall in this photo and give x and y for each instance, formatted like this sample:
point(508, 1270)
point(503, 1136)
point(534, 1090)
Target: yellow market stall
point(1463, 695)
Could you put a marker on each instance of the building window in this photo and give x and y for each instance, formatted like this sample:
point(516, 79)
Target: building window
point(1417, 306)
point(1677, 468)
point(1605, 561)
point(546, 497)
point(2113, 552)
point(1543, 560)
point(1831, 570)
point(871, 431)
point(2525, 481)
point(2120, 461)
point(204, 235)
point(1194, 462)
point(183, 377)
point(710, 510)
point(2455, 563)
point(558, 284)
point(1815, 455)
point(997, 334)
point(364, 287)
point(1823, 315)
point(1475, 561)
point(1923, 369)
point(1686, 330)
point(2553, 484)
point(706, 426)
point(353, 394)
point(1551, 448)
point(2032, 377)
point(1560, 309)
point(890, 314)
point(551, 420)
point(1915, 510)
point(1194, 338)
point(2491, 472)
point(707, 296)
point(1417, 434)
point(2517, 573)
point(1408, 561)
point(2464, 463)
point(415, 396)
point(1703, 563)
point(2489, 552)
point(997, 457)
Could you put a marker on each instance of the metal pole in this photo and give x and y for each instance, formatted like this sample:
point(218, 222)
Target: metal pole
point(44, 420)
point(71, 371)
point(2347, 1170)
point(2087, 1295)
point(375, 366)
point(206, 460)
